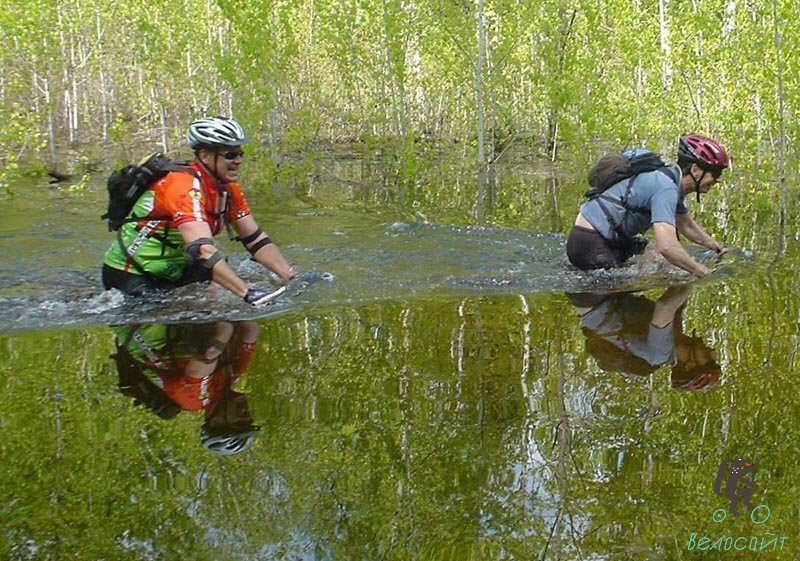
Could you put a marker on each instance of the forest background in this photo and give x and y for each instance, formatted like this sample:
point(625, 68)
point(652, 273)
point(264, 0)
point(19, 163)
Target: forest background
point(86, 81)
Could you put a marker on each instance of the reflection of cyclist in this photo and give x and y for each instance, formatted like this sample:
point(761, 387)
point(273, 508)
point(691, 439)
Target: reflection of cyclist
point(170, 368)
point(632, 334)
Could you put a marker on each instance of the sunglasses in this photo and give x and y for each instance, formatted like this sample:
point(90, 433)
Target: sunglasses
point(714, 172)
point(232, 154)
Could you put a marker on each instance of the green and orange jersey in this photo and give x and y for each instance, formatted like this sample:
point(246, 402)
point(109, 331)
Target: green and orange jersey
point(178, 198)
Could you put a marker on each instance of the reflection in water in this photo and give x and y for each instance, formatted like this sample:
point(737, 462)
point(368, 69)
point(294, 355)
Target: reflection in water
point(191, 367)
point(425, 403)
point(634, 335)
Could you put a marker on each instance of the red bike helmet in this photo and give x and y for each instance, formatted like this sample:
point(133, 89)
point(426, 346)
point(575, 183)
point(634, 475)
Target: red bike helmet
point(705, 152)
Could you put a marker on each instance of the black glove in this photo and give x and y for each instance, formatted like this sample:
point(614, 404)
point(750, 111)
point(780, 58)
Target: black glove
point(256, 296)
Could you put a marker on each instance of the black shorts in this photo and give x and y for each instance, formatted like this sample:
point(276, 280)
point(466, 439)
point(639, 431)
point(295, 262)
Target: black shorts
point(133, 284)
point(588, 249)
point(137, 285)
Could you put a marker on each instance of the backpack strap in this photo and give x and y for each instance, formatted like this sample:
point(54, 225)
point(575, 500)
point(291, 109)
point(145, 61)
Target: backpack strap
point(616, 227)
point(623, 202)
point(671, 173)
point(129, 257)
point(135, 383)
point(153, 221)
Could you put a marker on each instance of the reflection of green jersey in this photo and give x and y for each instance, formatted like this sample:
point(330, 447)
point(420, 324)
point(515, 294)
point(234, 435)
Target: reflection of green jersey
point(161, 353)
point(145, 343)
point(164, 345)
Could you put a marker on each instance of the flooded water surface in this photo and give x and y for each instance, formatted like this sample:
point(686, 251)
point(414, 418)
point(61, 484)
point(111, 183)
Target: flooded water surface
point(438, 384)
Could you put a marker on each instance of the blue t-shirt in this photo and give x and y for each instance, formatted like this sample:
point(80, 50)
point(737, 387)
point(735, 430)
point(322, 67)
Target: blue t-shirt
point(653, 195)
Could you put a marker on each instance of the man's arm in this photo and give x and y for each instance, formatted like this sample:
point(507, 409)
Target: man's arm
point(694, 232)
point(221, 272)
point(263, 250)
point(671, 249)
point(205, 362)
point(668, 305)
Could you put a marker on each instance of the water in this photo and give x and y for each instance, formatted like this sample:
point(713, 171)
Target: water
point(427, 389)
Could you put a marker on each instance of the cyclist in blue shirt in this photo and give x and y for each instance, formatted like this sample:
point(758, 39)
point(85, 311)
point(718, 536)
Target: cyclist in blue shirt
point(607, 231)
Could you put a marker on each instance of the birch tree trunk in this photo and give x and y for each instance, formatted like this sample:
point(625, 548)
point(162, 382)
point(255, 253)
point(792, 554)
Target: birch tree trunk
point(480, 64)
point(782, 127)
point(666, 48)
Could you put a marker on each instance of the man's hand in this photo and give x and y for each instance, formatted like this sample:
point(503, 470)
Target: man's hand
point(256, 296)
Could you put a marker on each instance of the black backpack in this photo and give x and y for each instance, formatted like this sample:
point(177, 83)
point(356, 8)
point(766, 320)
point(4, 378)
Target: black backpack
point(613, 168)
point(126, 185)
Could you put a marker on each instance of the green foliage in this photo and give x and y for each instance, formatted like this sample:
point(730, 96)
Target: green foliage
point(310, 71)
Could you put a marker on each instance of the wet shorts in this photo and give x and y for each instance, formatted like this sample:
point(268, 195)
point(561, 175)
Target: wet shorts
point(138, 285)
point(587, 249)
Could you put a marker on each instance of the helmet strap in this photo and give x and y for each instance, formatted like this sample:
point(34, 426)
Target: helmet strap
point(210, 170)
point(697, 182)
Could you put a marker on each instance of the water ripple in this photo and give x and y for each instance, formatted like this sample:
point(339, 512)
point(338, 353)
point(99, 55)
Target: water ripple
point(391, 261)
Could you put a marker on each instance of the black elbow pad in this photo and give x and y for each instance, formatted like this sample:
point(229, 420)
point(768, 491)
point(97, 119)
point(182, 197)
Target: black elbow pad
point(192, 254)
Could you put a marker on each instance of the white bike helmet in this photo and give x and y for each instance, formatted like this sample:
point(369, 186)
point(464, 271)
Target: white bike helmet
point(216, 131)
point(227, 444)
